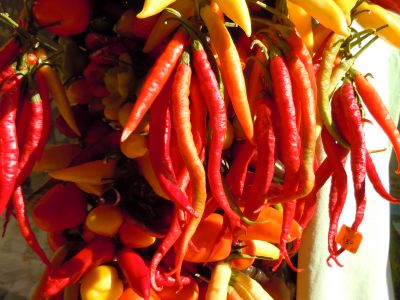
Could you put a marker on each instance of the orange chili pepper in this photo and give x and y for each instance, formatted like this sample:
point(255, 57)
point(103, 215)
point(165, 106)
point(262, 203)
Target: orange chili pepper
point(231, 68)
point(165, 27)
point(93, 172)
point(52, 79)
point(303, 23)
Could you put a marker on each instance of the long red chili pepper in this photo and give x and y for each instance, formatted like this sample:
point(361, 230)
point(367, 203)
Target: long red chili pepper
point(378, 110)
point(198, 116)
point(21, 215)
point(155, 81)
point(9, 97)
point(186, 144)
point(303, 94)
point(265, 146)
point(30, 142)
point(158, 143)
point(289, 147)
point(135, 271)
point(218, 119)
point(98, 251)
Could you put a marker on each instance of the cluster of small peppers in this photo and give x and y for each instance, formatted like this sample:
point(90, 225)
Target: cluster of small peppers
point(180, 177)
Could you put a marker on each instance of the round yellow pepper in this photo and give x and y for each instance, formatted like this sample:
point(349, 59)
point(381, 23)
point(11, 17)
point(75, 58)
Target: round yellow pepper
point(104, 220)
point(101, 283)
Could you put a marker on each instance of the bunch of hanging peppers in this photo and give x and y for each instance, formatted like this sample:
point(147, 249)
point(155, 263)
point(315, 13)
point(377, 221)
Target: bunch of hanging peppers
point(189, 167)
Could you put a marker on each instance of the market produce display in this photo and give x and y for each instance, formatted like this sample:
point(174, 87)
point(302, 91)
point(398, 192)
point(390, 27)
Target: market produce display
point(191, 167)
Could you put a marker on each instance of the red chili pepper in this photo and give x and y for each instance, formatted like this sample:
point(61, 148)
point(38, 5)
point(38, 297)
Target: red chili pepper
point(198, 116)
point(98, 251)
point(236, 176)
point(169, 281)
point(300, 50)
point(265, 146)
point(159, 143)
point(9, 97)
point(174, 232)
point(354, 133)
point(378, 110)
point(21, 215)
point(303, 94)
point(10, 50)
point(155, 81)
point(135, 271)
point(376, 181)
point(28, 143)
point(338, 193)
point(218, 119)
point(186, 144)
point(289, 147)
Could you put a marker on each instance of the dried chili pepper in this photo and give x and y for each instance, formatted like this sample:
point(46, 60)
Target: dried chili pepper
point(265, 146)
point(355, 135)
point(155, 81)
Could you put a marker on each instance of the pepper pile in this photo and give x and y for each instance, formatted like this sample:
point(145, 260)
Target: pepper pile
point(180, 179)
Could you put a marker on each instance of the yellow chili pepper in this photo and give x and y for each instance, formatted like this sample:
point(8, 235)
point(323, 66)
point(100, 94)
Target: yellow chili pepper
point(247, 287)
point(219, 282)
point(93, 172)
point(372, 16)
point(153, 7)
point(303, 23)
point(231, 68)
point(238, 12)
point(327, 12)
point(346, 6)
point(165, 27)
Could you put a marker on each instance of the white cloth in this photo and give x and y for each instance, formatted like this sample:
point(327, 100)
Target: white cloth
point(366, 274)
